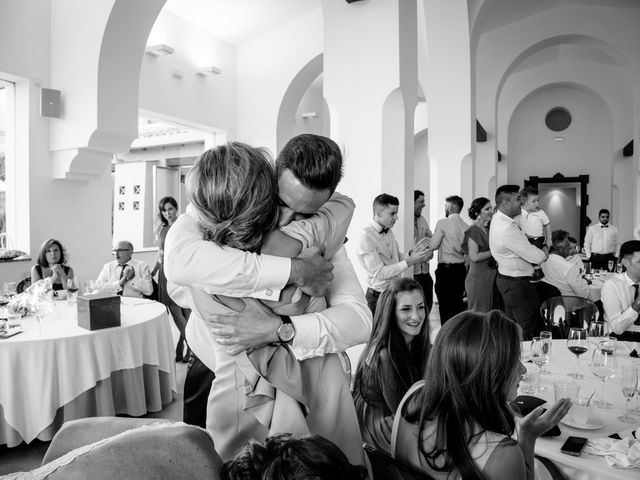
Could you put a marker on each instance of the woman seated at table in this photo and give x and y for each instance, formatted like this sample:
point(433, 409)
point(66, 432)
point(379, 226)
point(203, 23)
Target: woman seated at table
point(51, 264)
point(393, 360)
point(457, 422)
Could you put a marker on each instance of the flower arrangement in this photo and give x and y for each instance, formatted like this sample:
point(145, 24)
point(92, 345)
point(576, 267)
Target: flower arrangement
point(35, 300)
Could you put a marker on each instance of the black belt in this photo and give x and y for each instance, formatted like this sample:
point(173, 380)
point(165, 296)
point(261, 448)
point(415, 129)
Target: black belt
point(509, 277)
point(448, 265)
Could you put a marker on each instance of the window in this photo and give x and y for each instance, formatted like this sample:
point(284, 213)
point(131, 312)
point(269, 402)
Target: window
point(6, 152)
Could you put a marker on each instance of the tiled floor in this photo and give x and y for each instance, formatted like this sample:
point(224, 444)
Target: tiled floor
point(27, 457)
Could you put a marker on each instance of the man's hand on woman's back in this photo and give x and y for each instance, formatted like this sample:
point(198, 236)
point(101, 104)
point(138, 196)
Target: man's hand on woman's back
point(311, 272)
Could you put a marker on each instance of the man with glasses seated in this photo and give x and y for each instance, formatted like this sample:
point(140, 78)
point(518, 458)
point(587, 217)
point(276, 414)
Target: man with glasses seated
point(125, 276)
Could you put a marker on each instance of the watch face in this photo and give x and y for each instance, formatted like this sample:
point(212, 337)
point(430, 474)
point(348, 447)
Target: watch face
point(286, 332)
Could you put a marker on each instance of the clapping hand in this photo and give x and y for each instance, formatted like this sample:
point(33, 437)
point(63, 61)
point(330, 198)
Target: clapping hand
point(57, 271)
point(537, 422)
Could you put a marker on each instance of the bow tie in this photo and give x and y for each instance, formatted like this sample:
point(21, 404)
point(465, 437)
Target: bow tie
point(384, 230)
point(604, 226)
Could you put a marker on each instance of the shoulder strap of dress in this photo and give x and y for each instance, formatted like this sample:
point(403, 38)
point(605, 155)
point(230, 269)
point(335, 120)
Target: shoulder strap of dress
point(398, 416)
point(39, 270)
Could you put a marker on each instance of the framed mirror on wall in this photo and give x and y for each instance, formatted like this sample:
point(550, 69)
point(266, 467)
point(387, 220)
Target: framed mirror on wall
point(155, 167)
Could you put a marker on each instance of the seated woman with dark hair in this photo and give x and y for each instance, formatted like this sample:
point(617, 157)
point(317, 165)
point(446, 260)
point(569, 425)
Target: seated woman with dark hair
point(393, 360)
point(285, 457)
point(457, 422)
point(51, 263)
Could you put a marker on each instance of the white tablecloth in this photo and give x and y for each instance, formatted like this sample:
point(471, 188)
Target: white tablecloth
point(41, 374)
point(586, 466)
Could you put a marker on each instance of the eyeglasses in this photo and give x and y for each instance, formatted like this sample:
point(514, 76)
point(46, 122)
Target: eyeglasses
point(120, 250)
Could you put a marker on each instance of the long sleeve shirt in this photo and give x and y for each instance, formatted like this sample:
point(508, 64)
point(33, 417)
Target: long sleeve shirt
point(448, 237)
point(510, 247)
point(617, 297)
point(138, 286)
point(421, 230)
point(194, 263)
point(565, 276)
point(602, 239)
point(380, 256)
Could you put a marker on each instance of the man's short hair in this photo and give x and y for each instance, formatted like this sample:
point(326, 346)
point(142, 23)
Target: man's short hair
point(504, 192)
point(314, 160)
point(573, 240)
point(455, 200)
point(528, 191)
point(629, 248)
point(604, 210)
point(557, 237)
point(417, 194)
point(383, 201)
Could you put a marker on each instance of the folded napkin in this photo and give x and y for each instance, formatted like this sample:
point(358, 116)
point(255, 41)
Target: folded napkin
point(621, 452)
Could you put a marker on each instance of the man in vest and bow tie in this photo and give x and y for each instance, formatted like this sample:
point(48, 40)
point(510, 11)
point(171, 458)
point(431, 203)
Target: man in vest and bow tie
point(378, 249)
point(125, 276)
point(602, 242)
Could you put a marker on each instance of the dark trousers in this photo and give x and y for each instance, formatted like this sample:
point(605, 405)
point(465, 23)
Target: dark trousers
point(372, 299)
point(450, 289)
point(426, 282)
point(600, 261)
point(197, 385)
point(521, 303)
point(627, 336)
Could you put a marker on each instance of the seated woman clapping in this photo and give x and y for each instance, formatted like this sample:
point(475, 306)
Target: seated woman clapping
point(393, 360)
point(51, 263)
point(457, 422)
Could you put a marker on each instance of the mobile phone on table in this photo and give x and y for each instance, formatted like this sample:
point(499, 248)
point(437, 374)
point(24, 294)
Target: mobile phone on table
point(573, 446)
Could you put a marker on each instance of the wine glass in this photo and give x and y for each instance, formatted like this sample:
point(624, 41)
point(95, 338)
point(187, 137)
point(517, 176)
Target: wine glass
point(12, 289)
point(72, 290)
point(598, 332)
point(539, 356)
point(629, 383)
point(603, 366)
point(636, 409)
point(610, 265)
point(546, 338)
point(577, 343)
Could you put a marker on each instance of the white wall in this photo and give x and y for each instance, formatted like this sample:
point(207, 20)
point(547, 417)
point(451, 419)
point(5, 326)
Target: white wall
point(312, 102)
point(587, 148)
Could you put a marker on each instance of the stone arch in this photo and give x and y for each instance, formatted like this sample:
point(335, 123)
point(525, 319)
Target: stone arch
point(292, 96)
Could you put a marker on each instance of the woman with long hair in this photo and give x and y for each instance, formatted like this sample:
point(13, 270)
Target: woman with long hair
point(393, 360)
point(51, 262)
point(457, 423)
point(167, 214)
point(481, 277)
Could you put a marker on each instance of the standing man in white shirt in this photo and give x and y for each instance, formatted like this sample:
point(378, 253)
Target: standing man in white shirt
point(421, 230)
point(601, 242)
point(560, 272)
point(620, 297)
point(308, 169)
point(515, 256)
point(126, 276)
point(378, 249)
point(451, 272)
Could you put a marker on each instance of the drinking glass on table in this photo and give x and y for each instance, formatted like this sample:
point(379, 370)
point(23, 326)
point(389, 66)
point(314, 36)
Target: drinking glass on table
point(546, 338)
point(539, 356)
point(619, 268)
point(12, 289)
point(636, 409)
point(603, 366)
point(598, 332)
point(577, 343)
point(72, 290)
point(610, 265)
point(629, 383)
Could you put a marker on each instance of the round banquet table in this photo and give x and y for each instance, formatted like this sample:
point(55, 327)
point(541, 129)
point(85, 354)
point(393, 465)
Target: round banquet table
point(66, 372)
point(587, 466)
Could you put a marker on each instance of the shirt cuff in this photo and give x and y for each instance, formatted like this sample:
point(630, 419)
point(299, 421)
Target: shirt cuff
point(274, 276)
point(307, 333)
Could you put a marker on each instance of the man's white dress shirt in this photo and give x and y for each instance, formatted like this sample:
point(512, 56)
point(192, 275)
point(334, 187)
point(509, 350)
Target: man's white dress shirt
point(380, 256)
point(448, 237)
point(565, 276)
point(138, 286)
point(602, 239)
point(510, 247)
point(191, 261)
point(617, 297)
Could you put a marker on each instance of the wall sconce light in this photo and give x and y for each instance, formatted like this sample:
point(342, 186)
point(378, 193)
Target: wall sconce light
point(558, 139)
point(209, 71)
point(177, 72)
point(310, 115)
point(159, 50)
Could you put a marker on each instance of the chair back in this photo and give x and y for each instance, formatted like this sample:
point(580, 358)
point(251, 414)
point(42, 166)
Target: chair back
point(385, 467)
point(560, 313)
point(546, 291)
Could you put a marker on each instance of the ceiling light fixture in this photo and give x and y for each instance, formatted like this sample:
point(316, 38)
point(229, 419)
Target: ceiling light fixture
point(159, 50)
point(208, 71)
point(558, 139)
point(310, 115)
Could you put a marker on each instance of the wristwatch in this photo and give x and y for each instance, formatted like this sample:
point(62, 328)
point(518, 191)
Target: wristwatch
point(286, 331)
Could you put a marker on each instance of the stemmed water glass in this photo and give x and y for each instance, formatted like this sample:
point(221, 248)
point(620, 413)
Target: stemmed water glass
point(603, 366)
point(577, 343)
point(546, 338)
point(598, 332)
point(629, 383)
point(610, 265)
point(539, 356)
point(636, 409)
